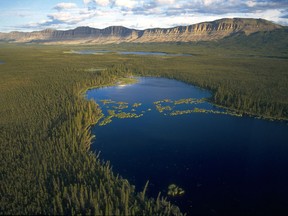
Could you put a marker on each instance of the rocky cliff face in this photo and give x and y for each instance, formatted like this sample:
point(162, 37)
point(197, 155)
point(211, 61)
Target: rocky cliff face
point(208, 31)
point(205, 31)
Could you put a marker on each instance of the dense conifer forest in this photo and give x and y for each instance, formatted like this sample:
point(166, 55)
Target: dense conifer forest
point(46, 166)
point(45, 120)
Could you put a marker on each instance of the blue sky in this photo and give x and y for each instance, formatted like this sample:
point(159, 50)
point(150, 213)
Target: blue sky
point(31, 15)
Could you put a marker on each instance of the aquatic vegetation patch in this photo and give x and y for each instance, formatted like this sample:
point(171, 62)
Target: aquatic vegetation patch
point(180, 112)
point(189, 101)
point(174, 190)
point(120, 106)
point(136, 105)
point(163, 108)
point(108, 101)
point(117, 111)
point(123, 115)
point(166, 107)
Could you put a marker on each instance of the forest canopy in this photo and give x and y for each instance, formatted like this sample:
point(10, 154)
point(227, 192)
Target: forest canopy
point(46, 164)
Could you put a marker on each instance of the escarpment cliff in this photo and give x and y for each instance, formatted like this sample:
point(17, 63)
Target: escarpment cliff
point(206, 31)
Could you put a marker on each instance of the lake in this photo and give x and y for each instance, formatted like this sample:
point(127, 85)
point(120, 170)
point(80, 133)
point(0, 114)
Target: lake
point(166, 132)
point(99, 52)
point(153, 53)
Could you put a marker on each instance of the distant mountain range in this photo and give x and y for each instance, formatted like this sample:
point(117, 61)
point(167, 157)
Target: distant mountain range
point(206, 31)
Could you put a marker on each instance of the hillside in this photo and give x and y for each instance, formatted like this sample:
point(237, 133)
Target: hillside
point(206, 31)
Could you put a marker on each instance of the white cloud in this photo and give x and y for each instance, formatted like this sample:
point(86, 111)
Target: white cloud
point(165, 1)
point(141, 14)
point(125, 3)
point(210, 2)
point(251, 3)
point(86, 1)
point(272, 14)
point(65, 17)
point(207, 2)
point(64, 6)
point(102, 3)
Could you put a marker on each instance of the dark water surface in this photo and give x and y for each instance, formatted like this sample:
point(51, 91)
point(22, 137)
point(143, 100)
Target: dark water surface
point(226, 164)
point(89, 52)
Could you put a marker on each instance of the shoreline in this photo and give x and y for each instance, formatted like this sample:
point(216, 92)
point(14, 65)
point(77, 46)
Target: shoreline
point(120, 81)
point(123, 81)
point(249, 114)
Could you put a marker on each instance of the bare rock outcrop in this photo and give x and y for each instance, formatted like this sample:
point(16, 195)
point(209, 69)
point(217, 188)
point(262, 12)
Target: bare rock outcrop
point(206, 31)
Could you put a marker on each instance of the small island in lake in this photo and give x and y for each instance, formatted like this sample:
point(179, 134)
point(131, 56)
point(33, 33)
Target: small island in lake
point(174, 190)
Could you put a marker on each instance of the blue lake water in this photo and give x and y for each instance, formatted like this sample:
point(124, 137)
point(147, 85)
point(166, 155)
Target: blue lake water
point(226, 164)
point(89, 52)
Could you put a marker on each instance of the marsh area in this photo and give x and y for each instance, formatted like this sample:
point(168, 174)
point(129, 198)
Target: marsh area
point(224, 162)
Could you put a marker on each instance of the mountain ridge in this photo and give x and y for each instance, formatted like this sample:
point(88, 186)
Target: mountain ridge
point(204, 31)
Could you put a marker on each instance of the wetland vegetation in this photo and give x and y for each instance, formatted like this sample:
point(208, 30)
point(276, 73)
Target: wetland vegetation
point(46, 163)
point(174, 190)
point(166, 106)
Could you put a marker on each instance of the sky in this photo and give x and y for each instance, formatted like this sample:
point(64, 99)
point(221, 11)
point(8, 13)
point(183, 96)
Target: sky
point(34, 15)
